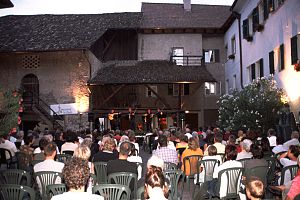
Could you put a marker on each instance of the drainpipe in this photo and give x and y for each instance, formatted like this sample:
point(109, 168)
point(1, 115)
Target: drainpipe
point(238, 17)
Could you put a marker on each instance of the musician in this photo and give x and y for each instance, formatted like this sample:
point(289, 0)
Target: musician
point(113, 118)
point(148, 119)
point(131, 117)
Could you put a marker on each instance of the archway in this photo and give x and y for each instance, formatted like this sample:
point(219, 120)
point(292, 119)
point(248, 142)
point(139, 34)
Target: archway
point(30, 87)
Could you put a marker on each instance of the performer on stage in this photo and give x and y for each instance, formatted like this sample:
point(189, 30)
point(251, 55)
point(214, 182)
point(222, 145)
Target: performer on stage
point(131, 117)
point(113, 118)
point(148, 119)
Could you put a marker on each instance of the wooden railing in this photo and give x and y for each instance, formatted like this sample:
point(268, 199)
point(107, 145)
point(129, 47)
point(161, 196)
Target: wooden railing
point(188, 60)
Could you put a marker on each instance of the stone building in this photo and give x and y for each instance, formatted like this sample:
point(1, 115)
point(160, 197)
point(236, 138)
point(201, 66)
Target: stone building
point(168, 57)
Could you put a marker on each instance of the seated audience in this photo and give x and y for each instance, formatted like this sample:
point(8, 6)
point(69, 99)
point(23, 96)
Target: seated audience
point(295, 187)
point(182, 145)
point(39, 151)
point(155, 184)
point(131, 136)
point(218, 144)
point(76, 174)
point(293, 141)
point(133, 157)
point(165, 153)
point(255, 189)
point(193, 149)
point(272, 137)
point(202, 143)
point(6, 144)
point(245, 153)
point(266, 148)
point(69, 145)
point(27, 150)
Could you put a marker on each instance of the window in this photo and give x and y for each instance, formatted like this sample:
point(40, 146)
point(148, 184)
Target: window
point(266, 9)
point(253, 73)
point(177, 53)
point(247, 29)
point(256, 70)
point(281, 58)
point(31, 61)
point(295, 49)
point(149, 93)
point(255, 19)
point(185, 89)
point(260, 65)
point(212, 56)
point(212, 89)
point(271, 62)
point(233, 45)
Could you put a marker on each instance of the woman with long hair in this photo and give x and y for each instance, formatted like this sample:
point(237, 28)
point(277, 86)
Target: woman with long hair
point(155, 184)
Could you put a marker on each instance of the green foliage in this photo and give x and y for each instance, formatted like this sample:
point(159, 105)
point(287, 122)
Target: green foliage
point(9, 107)
point(256, 107)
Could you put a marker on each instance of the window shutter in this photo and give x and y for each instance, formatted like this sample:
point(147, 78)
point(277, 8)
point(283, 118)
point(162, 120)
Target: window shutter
point(217, 55)
point(255, 18)
point(281, 57)
point(266, 9)
point(261, 67)
point(170, 89)
point(245, 28)
point(271, 5)
point(186, 87)
point(294, 49)
point(271, 62)
point(253, 71)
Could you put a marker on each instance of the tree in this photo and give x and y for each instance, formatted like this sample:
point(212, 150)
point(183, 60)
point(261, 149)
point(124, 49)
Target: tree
point(9, 107)
point(256, 107)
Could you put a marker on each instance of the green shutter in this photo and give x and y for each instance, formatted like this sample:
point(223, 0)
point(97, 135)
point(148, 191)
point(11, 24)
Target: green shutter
point(217, 55)
point(261, 67)
point(281, 57)
point(245, 28)
point(294, 49)
point(253, 71)
point(271, 5)
point(271, 62)
point(266, 9)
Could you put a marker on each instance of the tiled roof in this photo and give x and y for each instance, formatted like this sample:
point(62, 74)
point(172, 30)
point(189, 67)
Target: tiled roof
point(150, 72)
point(164, 15)
point(6, 4)
point(59, 32)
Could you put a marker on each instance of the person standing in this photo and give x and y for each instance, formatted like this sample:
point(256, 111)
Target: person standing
point(148, 120)
point(131, 117)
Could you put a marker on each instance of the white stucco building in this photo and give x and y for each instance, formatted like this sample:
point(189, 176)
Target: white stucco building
point(264, 39)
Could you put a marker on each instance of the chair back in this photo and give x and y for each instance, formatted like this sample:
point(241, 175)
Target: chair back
point(5, 157)
point(260, 172)
point(222, 155)
point(230, 179)
point(170, 166)
point(174, 176)
point(112, 191)
point(101, 172)
point(272, 167)
point(16, 176)
point(243, 161)
point(63, 157)
point(46, 178)
point(68, 152)
point(55, 189)
point(140, 193)
point(16, 192)
point(288, 173)
point(124, 178)
point(190, 164)
point(208, 166)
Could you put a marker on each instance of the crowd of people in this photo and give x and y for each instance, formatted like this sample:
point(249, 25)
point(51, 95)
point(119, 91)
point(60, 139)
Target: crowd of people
point(121, 153)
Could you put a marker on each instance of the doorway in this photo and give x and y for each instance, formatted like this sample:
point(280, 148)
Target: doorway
point(30, 87)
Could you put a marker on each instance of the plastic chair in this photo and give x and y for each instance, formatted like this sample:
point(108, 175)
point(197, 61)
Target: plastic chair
point(244, 160)
point(170, 166)
point(3, 158)
point(112, 191)
point(124, 178)
point(16, 192)
point(222, 156)
point(174, 176)
point(63, 157)
point(55, 189)
point(46, 178)
point(23, 160)
point(230, 179)
point(193, 162)
point(101, 172)
point(16, 176)
point(34, 162)
point(68, 152)
point(292, 170)
point(208, 167)
point(260, 172)
point(272, 167)
point(140, 193)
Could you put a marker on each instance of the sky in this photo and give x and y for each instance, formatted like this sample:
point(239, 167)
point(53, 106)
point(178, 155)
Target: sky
point(31, 7)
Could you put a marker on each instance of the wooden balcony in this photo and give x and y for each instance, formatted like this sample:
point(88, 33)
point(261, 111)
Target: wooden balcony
point(188, 60)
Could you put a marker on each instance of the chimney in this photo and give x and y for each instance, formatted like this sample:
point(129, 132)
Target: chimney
point(187, 5)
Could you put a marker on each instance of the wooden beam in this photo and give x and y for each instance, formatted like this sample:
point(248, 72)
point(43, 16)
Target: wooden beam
point(109, 43)
point(112, 95)
point(159, 97)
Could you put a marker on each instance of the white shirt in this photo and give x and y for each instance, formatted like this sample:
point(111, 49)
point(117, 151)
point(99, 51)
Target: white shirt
point(220, 148)
point(68, 146)
point(189, 135)
point(9, 146)
point(226, 165)
point(136, 159)
point(286, 162)
point(280, 148)
point(243, 155)
point(272, 141)
point(49, 165)
point(293, 141)
point(77, 196)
